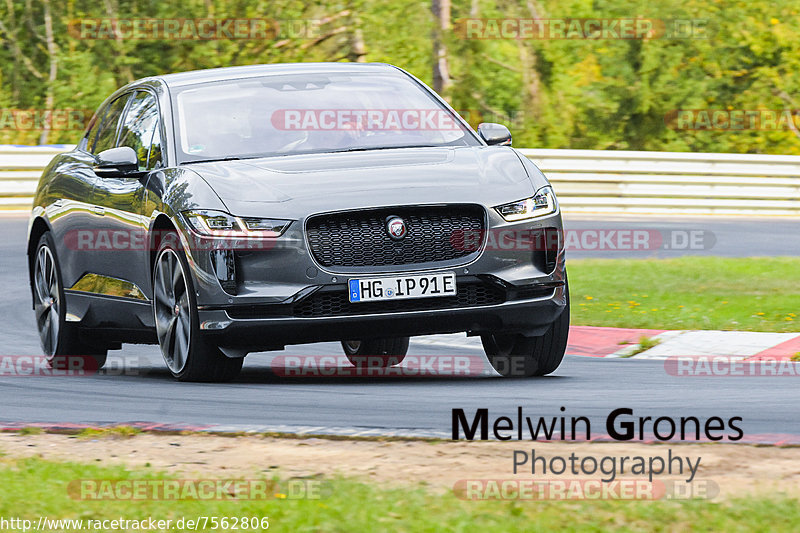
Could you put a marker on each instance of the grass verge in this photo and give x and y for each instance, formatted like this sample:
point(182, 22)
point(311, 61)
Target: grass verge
point(645, 343)
point(751, 294)
point(33, 487)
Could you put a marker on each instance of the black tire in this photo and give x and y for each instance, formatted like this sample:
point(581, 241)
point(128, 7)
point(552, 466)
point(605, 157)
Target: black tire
point(515, 355)
point(199, 359)
point(376, 352)
point(63, 344)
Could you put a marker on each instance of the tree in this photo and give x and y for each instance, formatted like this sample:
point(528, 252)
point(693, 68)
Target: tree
point(441, 70)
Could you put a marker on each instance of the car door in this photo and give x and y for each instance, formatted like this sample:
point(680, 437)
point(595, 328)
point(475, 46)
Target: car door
point(124, 266)
point(72, 214)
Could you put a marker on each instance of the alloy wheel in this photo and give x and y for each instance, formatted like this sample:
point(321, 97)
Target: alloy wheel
point(172, 310)
point(47, 305)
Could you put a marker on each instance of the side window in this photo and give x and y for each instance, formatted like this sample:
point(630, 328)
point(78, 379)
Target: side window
point(154, 158)
point(94, 127)
point(107, 132)
point(139, 130)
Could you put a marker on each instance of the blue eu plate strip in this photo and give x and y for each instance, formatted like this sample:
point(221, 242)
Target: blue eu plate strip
point(355, 290)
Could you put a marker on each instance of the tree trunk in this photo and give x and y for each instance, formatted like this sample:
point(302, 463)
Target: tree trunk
point(358, 49)
point(51, 77)
point(530, 79)
point(530, 75)
point(441, 70)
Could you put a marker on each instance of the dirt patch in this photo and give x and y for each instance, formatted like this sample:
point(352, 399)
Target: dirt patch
point(738, 470)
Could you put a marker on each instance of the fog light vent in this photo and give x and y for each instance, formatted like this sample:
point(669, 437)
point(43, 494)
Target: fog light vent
point(224, 263)
point(547, 243)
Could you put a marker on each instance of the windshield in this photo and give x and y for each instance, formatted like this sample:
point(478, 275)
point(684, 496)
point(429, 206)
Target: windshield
point(311, 113)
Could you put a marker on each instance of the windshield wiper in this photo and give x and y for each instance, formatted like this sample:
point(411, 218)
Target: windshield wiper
point(367, 148)
point(216, 159)
point(212, 160)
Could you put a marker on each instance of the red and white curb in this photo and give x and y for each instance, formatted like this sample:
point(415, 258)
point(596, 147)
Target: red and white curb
point(735, 345)
point(606, 342)
point(594, 341)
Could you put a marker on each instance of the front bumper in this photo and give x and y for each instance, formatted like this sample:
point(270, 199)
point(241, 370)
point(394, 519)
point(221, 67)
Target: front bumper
point(282, 296)
point(242, 327)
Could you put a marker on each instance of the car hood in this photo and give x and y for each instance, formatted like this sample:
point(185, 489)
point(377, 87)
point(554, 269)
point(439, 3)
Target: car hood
point(290, 185)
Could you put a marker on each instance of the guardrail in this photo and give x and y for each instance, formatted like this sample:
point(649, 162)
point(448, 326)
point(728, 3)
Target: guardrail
point(672, 182)
point(585, 180)
point(20, 168)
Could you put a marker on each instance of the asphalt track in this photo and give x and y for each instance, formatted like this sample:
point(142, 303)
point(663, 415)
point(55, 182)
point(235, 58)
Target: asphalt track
point(719, 236)
point(263, 400)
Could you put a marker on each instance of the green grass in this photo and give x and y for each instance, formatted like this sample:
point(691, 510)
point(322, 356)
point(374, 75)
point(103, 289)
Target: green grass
point(645, 343)
point(114, 432)
point(34, 487)
point(753, 294)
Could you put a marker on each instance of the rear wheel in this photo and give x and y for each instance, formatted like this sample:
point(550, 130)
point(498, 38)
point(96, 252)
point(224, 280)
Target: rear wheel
point(188, 355)
point(514, 355)
point(376, 352)
point(62, 342)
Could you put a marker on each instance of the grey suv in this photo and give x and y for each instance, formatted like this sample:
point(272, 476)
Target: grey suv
point(236, 210)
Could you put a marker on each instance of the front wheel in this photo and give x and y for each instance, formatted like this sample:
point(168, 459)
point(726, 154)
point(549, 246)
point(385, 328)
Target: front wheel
point(376, 352)
point(63, 344)
point(188, 355)
point(514, 355)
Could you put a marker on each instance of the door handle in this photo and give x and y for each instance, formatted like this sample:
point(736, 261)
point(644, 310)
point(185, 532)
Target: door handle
point(99, 210)
point(58, 203)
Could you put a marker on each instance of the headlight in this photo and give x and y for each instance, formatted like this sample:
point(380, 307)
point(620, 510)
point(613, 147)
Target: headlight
point(539, 205)
point(221, 224)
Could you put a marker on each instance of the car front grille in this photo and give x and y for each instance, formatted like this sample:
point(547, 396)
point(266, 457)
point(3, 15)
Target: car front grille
point(360, 239)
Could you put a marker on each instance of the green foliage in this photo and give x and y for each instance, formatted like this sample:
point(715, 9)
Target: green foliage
point(553, 93)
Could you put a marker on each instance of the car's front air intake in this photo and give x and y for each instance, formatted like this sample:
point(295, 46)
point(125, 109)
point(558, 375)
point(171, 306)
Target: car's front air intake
point(361, 238)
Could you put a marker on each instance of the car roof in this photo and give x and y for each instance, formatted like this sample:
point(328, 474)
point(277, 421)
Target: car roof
point(193, 77)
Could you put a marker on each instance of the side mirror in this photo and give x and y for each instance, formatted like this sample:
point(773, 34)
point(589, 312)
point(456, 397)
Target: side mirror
point(116, 162)
point(494, 134)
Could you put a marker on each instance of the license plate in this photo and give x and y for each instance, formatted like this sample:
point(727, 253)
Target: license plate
point(402, 287)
